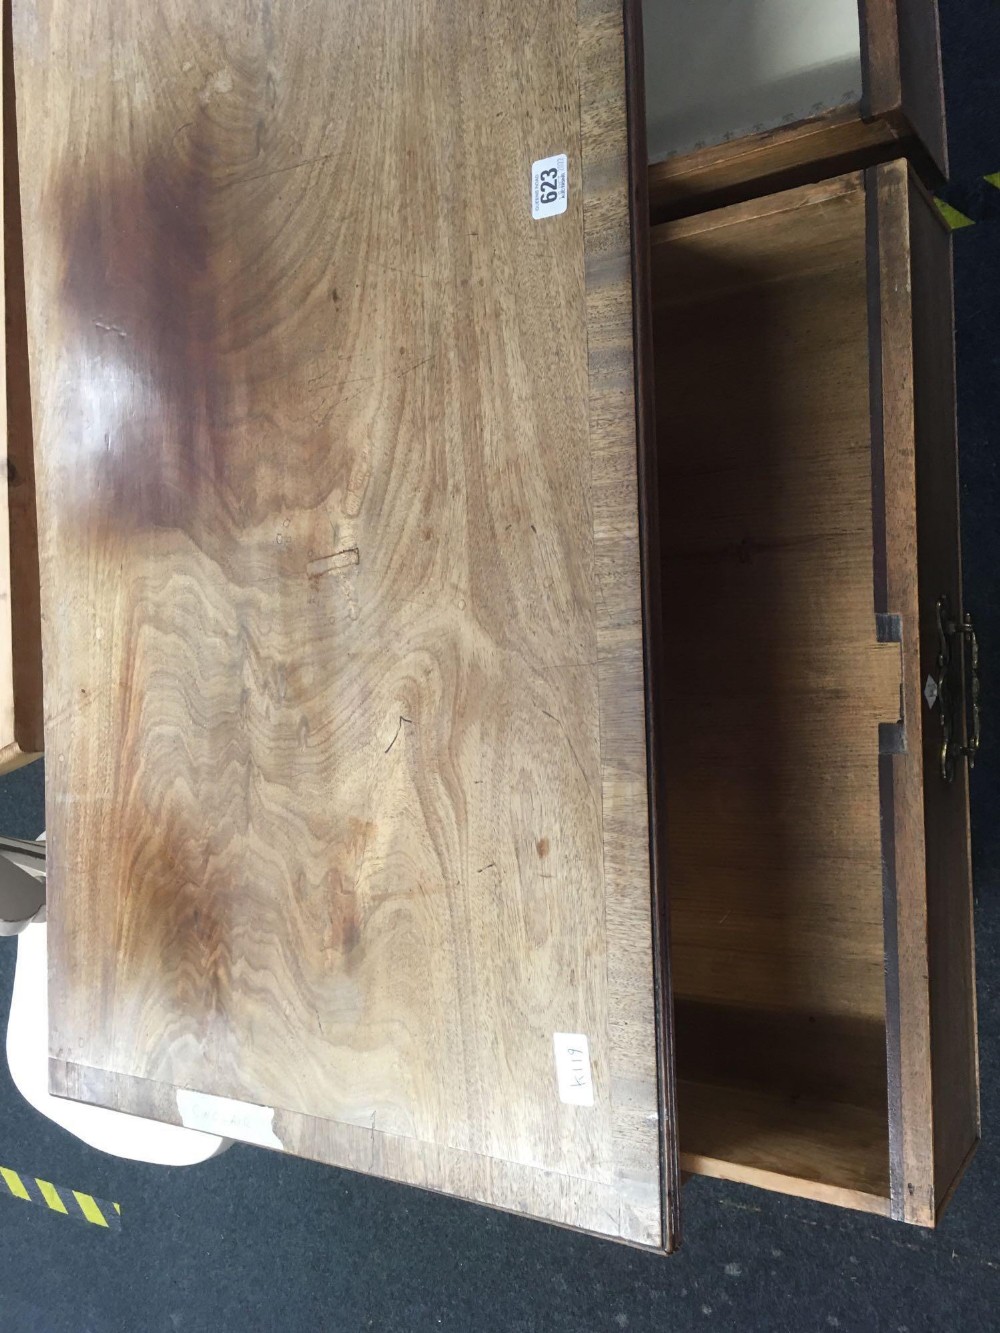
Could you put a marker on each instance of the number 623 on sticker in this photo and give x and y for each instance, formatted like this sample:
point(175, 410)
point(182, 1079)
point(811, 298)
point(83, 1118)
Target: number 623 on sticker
point(549, 186)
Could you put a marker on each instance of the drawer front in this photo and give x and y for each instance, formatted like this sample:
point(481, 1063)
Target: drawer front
point(925, 810)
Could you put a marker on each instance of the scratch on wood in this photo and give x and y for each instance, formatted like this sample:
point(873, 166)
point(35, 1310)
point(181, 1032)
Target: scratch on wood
point(277, 171)
point(417, 364)
point(572, 749)
point(399, 728)
point(327, 564)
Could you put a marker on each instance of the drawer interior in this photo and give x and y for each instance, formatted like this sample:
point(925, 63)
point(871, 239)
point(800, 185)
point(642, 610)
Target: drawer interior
point(720, 69)
point(775, 685)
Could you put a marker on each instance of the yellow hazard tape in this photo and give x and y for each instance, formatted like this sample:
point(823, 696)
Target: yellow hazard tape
point(71, 1203)
point(957, 219)
point(952, 216)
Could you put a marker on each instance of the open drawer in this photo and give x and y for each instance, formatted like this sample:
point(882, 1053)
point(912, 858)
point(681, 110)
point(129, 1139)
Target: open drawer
point(397, 698)
point(744, 95)
point(818, 861)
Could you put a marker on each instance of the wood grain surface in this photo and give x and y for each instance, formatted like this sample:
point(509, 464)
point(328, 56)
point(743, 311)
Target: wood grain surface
point(21, 729)
point(902, 68)
point(922, 77)
point(832, 1152)
point(347, 796)
point(951, 946)
point(654, 612)
point(930, 973)
point(772, 739)
point(772, 778)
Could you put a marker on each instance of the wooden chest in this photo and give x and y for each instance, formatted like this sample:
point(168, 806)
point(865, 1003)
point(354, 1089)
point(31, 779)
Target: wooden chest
point(505, 667)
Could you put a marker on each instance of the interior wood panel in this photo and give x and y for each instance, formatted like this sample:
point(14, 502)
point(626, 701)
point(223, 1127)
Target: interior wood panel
point(347, 798)
point(839, 1058)
point(829, 1151)
point(777, 693)
point(21, 714)
point(778, 685)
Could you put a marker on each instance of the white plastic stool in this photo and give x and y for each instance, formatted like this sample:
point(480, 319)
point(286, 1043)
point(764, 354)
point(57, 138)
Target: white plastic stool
point(28, 1056)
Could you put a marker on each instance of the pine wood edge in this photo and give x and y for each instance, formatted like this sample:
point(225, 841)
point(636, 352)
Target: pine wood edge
point(894, 514)
point(893, 189)
point(652, 619)
point(21, 739)
point(8, 744)
point(615, 417)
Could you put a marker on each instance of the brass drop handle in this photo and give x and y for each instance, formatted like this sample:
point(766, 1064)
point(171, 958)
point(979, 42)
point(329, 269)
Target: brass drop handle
point(969, 633)
point(948, 693)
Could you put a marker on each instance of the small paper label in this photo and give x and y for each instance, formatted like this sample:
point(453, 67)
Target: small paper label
point(227, 1118)
point(576, 1087)
point(549, 186)
point(931, 691)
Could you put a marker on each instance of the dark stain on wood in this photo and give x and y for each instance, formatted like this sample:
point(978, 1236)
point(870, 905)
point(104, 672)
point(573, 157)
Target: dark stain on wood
point(171, 281)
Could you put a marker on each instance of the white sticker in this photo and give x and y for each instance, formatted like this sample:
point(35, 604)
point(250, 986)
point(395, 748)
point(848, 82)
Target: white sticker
point(576, 1087)
point(227, 1118)
point(549, 186)
point(931, 691)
